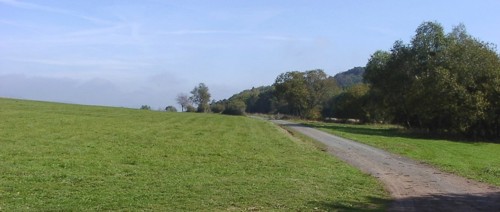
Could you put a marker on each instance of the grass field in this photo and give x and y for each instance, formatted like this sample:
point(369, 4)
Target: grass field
point(475, 160)
point(73, 158)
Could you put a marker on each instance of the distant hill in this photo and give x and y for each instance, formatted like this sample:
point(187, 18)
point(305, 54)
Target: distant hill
point(351, 77)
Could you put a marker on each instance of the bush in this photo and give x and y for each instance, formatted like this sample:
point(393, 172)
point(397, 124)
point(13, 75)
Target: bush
point(190, 109)
point(217, 107)
point(171, 109)
point(145, 107)
point(235, 107)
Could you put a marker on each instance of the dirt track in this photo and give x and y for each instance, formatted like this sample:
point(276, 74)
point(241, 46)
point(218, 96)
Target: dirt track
point(413, 185)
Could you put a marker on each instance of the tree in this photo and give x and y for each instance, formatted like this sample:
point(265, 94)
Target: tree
point(292, 90)
point(445, 83)
point(320, 88)
point(475, 85)
point(265, 102)
point(170, 108)
point(304, 94)
point(351, 104)
point(183, 100)
point(201, 97)
point(145, 107)
point(388, 75)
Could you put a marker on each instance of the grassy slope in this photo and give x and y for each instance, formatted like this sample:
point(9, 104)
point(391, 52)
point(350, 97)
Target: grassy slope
point(476, 160)
point(69, 157)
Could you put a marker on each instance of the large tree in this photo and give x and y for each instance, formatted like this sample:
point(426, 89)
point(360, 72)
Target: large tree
point(320, 88)
point(292, 92)
point(439, 82)
point(304, 93)
point(201, 97)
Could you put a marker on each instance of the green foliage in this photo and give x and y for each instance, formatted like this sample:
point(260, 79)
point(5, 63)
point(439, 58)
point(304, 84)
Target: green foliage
point(217, 107)
point(58, 157)
point(201, 97)
point(145, 107)
point(350, 77)
point(304, 94)
point(259, 100)
point(191, 109)
point(439, 83)
point(351, 104)
point(256, 100)
point(235, 107)
point(170, 109)
point(476, 160)
point(291, 88)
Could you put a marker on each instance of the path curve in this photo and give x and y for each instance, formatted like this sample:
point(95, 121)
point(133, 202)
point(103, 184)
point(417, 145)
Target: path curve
point(414, 186)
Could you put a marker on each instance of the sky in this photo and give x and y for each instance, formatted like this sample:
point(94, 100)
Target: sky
point(128, 53)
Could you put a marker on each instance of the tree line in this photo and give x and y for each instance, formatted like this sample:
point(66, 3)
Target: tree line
point(439, 83)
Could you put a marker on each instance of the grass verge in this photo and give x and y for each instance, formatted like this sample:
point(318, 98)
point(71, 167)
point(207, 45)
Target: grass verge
point(78, 158)
point(474, 160)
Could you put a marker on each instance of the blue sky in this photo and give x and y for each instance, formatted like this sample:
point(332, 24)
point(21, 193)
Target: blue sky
point(133, 52)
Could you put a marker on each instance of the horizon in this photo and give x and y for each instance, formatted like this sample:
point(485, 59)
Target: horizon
point(133, 53)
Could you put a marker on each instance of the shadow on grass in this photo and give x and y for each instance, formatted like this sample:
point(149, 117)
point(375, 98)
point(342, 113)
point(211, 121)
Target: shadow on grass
point(449, 202)
point(362, 129)
point(393, 132)
point(375, 204)
point(435, 202)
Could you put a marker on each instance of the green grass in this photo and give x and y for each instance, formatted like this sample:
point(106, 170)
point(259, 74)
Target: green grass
point(475, 160)
point(80, 158)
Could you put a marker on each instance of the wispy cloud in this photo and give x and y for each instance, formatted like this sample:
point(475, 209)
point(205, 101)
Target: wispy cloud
point(194, 32)
point(117, 34)
point(112, 63)
point(283, 38)
point(97, 31)
point(38, 7)
point(20, 25)
point(12, 23)
point(31, 6)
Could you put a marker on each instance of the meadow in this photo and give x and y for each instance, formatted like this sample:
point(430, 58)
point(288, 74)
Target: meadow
point(62, 157)
point(472, 159)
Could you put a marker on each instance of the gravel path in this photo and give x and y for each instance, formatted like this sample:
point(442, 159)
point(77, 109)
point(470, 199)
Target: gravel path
point(413, 185)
